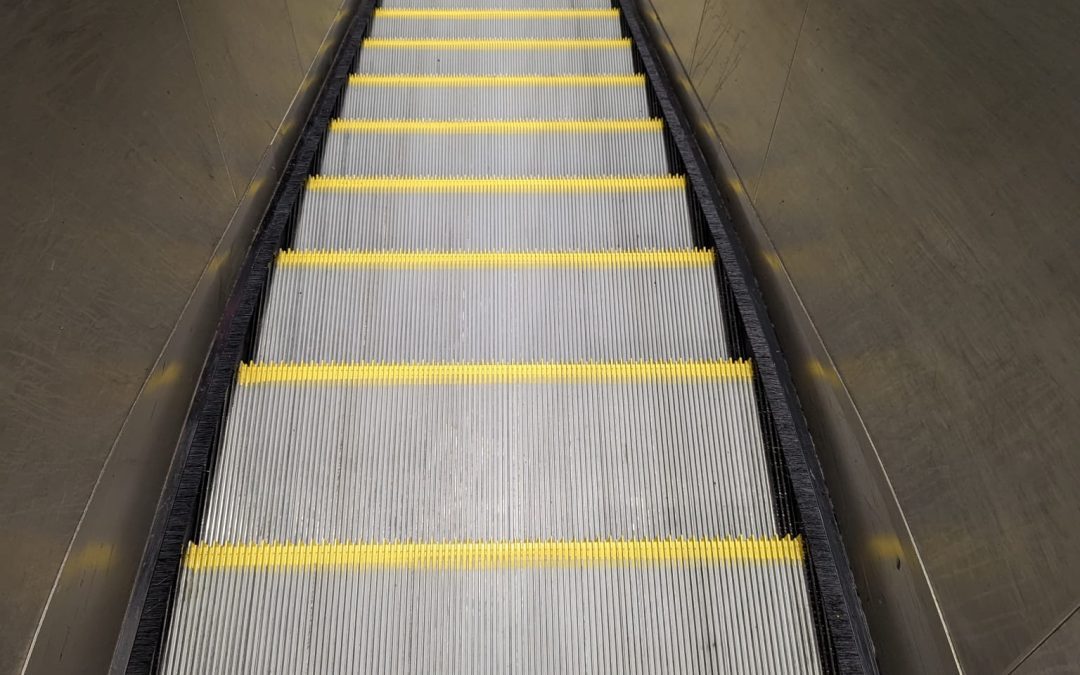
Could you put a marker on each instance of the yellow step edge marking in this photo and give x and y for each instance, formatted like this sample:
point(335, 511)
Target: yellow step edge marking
point(497, 80)
point(533, 185)
point(497, 13)
point(492, 555)
point(495, 126)
point(496, 259)
point(490, 373)
point(494, 45)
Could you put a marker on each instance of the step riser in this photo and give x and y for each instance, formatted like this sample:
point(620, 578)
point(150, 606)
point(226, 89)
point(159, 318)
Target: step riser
point(559, 61)
point(498, 462)
point(498, 29)
point(530, 154)
point(737, 618)
point(519, 315)
point(495, 102)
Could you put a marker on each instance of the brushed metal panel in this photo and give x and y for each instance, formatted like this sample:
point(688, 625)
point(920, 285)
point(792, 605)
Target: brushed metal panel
point(1059, 654)
point(739, 71)
point(249, 67)
point(101, 162)
point(682, 21)
point(311, 19)
point(921, 191)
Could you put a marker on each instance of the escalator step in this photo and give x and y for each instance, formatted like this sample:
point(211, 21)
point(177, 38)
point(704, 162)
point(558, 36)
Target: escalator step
point(497, 24)
point(608, 606)
point(553, 306)
point(382, 56)
point(365, 452)
point(490, 97)
point(501, 214)
point(495, 148)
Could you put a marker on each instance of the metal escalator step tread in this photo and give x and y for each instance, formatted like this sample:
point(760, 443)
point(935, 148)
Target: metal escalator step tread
point(496, 57)
point(499, 147)
point(565, 24)
point(489, 97)
point(503, 214)
point(684, 615)
point(500, 451)
point(582, 306)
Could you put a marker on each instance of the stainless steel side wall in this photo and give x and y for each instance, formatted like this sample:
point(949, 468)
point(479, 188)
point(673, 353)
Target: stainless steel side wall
point(907, 178)
point(140, 143)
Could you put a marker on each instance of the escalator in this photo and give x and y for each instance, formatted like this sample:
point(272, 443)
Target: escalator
point(500, 407)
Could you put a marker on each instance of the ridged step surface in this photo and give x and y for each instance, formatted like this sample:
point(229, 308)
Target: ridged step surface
point(440, 307)
point(526, 451)
point(480, 24)
point(384, 56)
point(489, 97)
point(495, 148)
point(470, 609)
point(495, 214)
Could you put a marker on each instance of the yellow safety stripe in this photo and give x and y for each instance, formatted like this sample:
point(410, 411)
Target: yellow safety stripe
point(497, 13)
point(534, 185)
point(490, 373)
point(496, 259)
point(494, 45)
point(491, 555)
point(495, 126)
point(497, 80)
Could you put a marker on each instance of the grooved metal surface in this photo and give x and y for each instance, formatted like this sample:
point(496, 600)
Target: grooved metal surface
point(548, 460)
point(514, 25)
point(726, 617)
point(496, 57)
point(491, 424)
point(487, 219)
point(491, 313)
point(621, 147)
point(487, 98)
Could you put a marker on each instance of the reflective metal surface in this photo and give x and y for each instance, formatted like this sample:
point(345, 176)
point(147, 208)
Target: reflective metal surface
point(914, 172)
point(132, 135)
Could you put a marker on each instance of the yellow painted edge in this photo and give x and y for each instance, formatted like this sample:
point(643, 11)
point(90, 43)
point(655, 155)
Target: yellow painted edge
point(491, 555)
point(542, 185)
point(497, 13)
point(489, 373)
point(495, 126)
point(360, 79)
point(496, 259)
point(494, 45)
